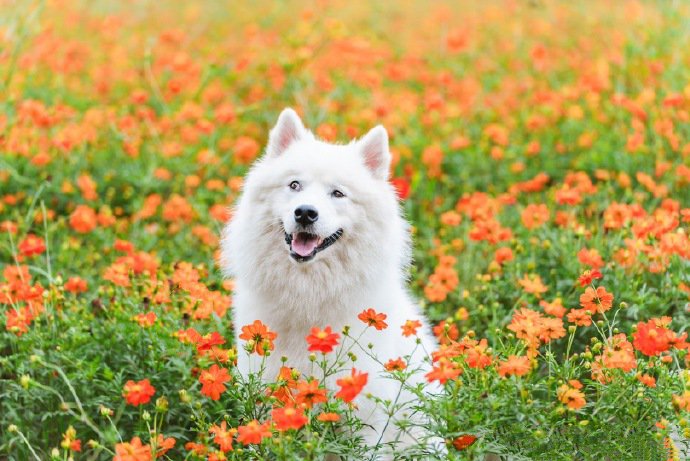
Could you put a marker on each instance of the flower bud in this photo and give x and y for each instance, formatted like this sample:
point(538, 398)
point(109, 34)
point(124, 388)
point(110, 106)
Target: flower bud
point(162, 404)
point(105, 411)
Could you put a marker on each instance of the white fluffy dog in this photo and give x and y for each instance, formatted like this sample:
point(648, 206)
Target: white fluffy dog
point(316, 238)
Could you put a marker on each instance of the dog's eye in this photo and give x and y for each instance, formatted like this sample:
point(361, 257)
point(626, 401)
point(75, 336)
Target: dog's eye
point(337, 194)
point(295, 185)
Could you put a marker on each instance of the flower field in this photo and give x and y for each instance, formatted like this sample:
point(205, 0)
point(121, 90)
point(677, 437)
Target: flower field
point(541, 152)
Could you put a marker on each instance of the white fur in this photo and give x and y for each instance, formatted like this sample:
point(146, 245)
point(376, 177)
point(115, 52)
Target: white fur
point(365, 268)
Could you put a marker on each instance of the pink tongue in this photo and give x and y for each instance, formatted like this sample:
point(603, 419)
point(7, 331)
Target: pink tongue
point(303, 246)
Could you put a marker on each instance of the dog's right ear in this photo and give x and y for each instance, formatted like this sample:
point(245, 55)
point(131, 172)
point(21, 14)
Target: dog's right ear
point(288, 129)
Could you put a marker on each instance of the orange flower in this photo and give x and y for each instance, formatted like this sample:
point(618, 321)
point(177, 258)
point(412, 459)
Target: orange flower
point(534, 216)
point(287, 418)
point(515, 365)
point(246, 150)
point(322, 340)
point(590, 258)
point(190, 335)
point(146, 320)
point(163, 445)
point(31, 245)
point(259, 337)
point(76, 285)
point(409, 328)
point(197, 448)
point(138, 393)
point(309, 393)
point(83, 219)
point(571, 396)
point(222, 436)
point(647, 380)
point(124, 246)
point(213, 381)
point(328, 417)
point(87, 186)
point(682, 402)
point(132, 451)
point(432, 158)
point(18, 320)
point(351, 386)
point(253, 432)
point(443, 371)
point(533, 284)
point(580, 317)
point(395, 365)
point(598, 300)
point(503, 255)
point(373, 319)
point(70, 440)
point(285, 383)
point(554, 308)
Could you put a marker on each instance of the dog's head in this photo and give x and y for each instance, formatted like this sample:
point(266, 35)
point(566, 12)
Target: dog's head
point(318, 200)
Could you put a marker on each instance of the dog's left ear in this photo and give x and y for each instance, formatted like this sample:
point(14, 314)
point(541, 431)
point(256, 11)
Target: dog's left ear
point(374, 149)
point(288, 129)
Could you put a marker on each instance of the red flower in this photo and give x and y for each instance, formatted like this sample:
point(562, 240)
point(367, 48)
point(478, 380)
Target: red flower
point(83, 219)
point(132, 451)
point(463, 441)
point(207, 341)
point(18, 320)
point(652, 338)
point(373, 319)
point(31, 245)
point(588, 276)
point(351, 386)
point(253, 432)
point(402, 187)
point(288, 418)
point(259, 336)
point(76, 285)
point(322, 340)
point(213, 381)
point(138, 393)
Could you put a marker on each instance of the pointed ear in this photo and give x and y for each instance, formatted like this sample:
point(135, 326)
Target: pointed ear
point(374, 149)
point(288, 129)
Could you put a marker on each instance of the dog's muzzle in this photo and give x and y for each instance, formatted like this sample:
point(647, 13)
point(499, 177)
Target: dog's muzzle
point(305, 245)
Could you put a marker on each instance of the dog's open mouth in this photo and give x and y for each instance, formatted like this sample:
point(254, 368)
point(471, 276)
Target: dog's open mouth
point(305, 245)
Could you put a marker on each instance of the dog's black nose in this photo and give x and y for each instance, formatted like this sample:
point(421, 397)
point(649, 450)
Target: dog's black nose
point(306, 214)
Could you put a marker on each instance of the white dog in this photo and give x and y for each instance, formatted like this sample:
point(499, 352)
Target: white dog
point(316, 238)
